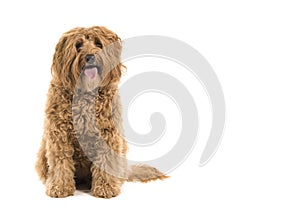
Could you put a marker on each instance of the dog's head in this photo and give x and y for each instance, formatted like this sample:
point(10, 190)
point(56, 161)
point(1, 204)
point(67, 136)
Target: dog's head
point(87, 58)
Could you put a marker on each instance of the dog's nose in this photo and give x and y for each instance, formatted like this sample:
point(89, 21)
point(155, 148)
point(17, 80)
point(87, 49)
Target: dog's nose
point(90, 58)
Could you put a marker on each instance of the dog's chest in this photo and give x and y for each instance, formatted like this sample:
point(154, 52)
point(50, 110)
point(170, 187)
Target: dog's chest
point(89, 115)
point(84, 117)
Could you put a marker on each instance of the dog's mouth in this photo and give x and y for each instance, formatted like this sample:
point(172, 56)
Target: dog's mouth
point(90, 78)
point(91, 71)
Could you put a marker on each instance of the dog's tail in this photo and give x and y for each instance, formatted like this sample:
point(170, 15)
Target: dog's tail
point(144, 173)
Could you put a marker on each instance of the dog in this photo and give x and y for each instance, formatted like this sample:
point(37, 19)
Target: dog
point(83, 141)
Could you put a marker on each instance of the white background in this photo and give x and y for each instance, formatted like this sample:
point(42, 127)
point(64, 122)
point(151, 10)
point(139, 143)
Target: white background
point(254, 48)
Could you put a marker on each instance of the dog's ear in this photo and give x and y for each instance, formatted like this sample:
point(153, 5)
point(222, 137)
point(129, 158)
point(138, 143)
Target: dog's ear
point(114, 51)
point(62, 62)
point(111, 56)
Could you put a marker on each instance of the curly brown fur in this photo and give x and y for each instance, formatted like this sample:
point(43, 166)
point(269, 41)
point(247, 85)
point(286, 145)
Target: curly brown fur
point(76, 148)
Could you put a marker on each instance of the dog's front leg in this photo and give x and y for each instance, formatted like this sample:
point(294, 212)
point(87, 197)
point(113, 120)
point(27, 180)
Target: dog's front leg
point(108, 169)
point(60, 180)
point(104, 185)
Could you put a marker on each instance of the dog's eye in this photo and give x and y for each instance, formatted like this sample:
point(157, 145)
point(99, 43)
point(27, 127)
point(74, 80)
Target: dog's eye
point(98, 44)
point(78, 46)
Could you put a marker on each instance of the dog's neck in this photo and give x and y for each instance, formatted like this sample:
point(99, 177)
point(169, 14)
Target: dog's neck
point(103, 92)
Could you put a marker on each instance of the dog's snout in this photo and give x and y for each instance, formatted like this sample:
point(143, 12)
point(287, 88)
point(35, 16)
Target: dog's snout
point(90, 58)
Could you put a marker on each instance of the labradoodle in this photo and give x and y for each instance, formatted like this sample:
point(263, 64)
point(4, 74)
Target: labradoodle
point(83, 140)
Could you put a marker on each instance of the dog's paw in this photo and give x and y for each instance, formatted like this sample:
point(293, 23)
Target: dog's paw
point(59, 191)
point(105, 191)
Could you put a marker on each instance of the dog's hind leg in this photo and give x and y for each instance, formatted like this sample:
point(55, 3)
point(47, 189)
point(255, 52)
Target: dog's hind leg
point(41, 165)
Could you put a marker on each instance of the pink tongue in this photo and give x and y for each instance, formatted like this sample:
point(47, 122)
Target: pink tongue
point(91, 72)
